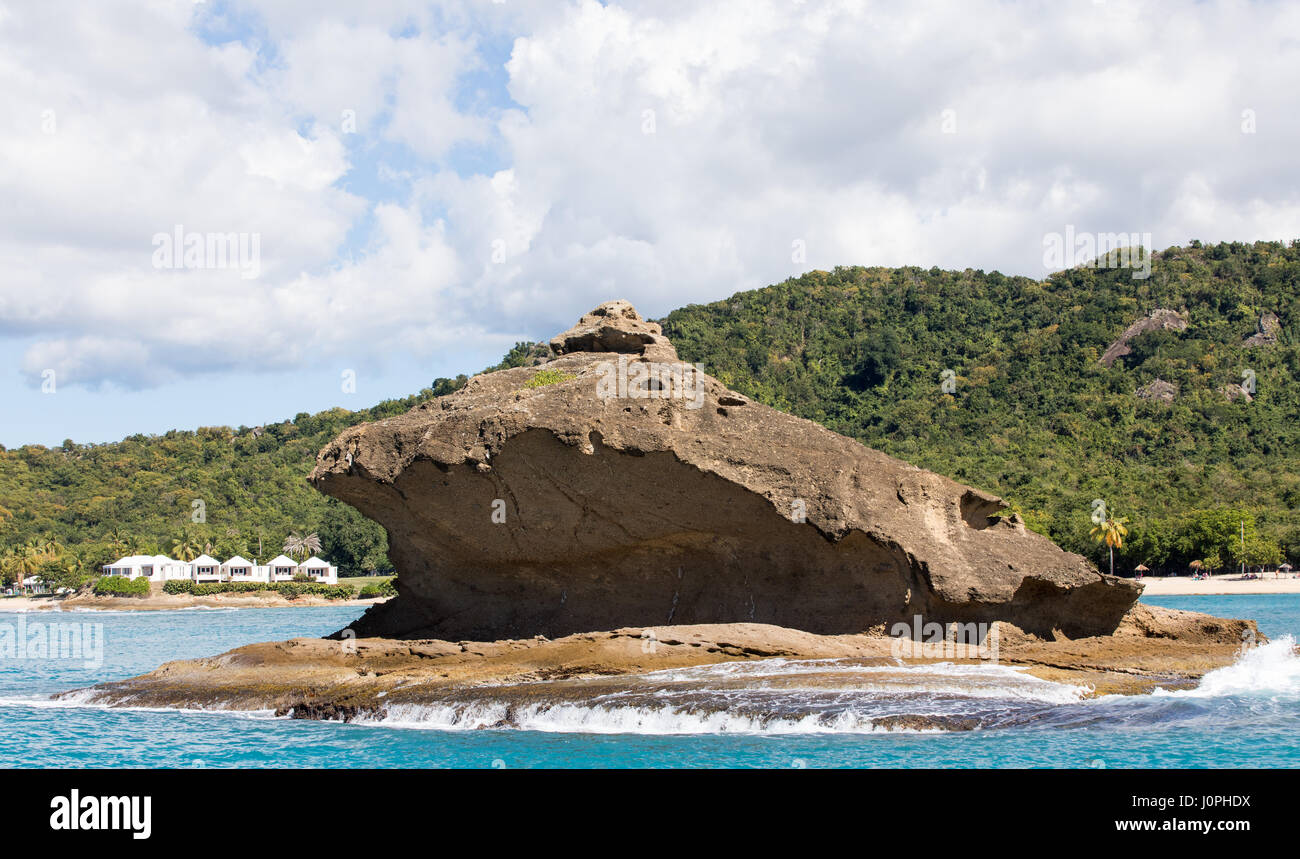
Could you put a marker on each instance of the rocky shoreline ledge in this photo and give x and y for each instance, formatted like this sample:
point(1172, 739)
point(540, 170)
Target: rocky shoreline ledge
point(368, 679)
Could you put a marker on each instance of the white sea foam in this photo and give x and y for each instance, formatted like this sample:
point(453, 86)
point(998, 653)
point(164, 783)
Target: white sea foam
point(772, 696)
point(604, 719)
point(944, 679)
point(90, 699)
point(1271, 670)
point(781, 697)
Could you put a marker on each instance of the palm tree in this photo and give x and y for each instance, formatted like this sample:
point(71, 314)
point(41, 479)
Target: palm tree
point(26, 561)
point(9, 565)
point(301, 548)
point(183, 548)
point(75, 566)
point(116, 537)
point(1111, 532)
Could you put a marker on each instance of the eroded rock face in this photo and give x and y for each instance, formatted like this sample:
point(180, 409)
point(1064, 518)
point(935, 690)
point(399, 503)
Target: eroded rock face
point(1160, 319)
point(1267, 331)
point(1158, 389)
point(521, 505)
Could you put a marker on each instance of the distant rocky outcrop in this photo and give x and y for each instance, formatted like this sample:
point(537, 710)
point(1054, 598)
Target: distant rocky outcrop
point(614, 487)
point(1267, 331)
point(1234, 392)
point(1159, 319)
point(1160, 390)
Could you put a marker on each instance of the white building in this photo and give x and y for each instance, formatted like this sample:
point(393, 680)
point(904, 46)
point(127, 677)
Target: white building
point(156, 568)
point(321, 571)
point(205, 568)
point(160, 568)
point(239, 569)
point(35, 585)
point(281, 569)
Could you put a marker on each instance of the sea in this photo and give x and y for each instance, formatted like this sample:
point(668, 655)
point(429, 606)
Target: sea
point(769, 714)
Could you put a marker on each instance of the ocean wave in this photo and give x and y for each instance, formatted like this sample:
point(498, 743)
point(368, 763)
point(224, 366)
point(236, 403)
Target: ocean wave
point(91, 699)
point(1271, 670)
point(583, 718)
point(771, 696)
point(942, 678)
point(818, 696)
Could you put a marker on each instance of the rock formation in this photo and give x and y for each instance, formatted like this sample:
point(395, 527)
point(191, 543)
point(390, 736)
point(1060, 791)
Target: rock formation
point(1267, 331)
point(1159, 319)
point(1158, 389)
point(1236, 391)
point(613, 486)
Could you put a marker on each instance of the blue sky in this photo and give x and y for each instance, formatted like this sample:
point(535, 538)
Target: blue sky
point(428, 183)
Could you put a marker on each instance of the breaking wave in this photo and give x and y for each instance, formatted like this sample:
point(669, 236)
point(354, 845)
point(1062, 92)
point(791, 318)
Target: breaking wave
point(1271, 670)
point(774, 696)
point(782, 697)
point(829, 696)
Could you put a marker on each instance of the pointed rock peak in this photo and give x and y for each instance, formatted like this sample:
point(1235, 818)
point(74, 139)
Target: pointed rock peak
point(615, 326)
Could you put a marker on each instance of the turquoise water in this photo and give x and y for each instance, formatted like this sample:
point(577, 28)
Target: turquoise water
point(1244, 716)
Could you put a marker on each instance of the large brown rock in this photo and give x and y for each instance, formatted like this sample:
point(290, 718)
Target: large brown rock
point(561, 498)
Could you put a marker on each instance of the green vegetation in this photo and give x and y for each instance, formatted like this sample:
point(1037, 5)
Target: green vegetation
point(1110, 533)
point(384, 588)
point(44, 557)
point(83, 506)
point(363, 581)
point(120, 586)
point(542, 378)
point(288, 590)
point(1027, 412)
point(1031, 414)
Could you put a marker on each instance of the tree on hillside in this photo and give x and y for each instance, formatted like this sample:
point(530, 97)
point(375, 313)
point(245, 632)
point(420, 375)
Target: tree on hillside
point(184, 547)
point(349, 540)
point(63, 572)
point(74, 566)
point(13, 565)
point(1111, 532)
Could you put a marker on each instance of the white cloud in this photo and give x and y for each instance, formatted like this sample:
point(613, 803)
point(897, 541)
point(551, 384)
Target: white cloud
point(773, 122)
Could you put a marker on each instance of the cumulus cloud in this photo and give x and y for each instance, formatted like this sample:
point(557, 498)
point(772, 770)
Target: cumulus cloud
point(416, 186)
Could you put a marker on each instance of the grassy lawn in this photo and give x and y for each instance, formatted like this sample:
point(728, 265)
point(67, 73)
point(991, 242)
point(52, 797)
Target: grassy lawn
point(359, 582)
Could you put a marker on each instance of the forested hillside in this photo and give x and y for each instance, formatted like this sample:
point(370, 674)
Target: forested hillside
point(1188, 435)
point(66, 511)
point(1033, 415)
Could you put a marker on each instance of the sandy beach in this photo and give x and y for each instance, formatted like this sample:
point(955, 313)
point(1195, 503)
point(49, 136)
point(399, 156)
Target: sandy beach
point(1231, 583)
